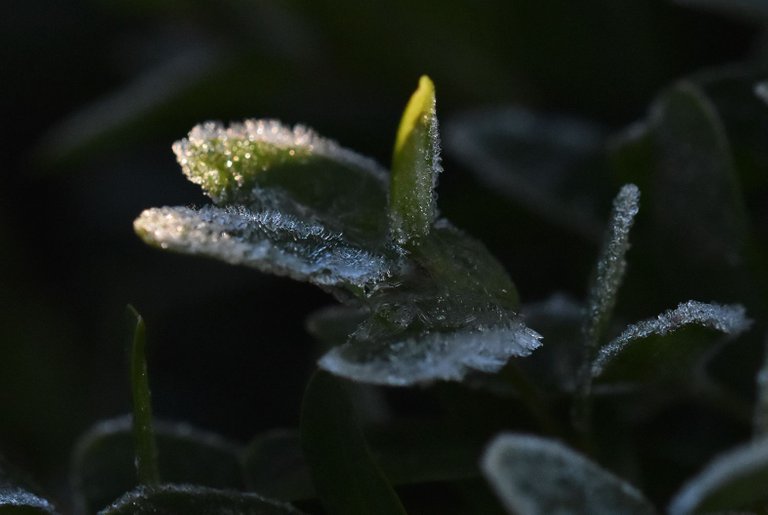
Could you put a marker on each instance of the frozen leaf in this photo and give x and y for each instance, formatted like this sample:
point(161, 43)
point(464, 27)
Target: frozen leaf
point(348, 482)
point(16, 498)
point(728, 319)
point(611, 265)
point(195, 500)
point(735, 480)
point(103, 461)
point(264, 165)
point(536, 476)
point(270, 241)
point(415, 167)
point(544, 163)
point(431, 355)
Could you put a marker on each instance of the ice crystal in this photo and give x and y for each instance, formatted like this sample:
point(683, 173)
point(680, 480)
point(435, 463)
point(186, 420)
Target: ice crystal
point(728, 319)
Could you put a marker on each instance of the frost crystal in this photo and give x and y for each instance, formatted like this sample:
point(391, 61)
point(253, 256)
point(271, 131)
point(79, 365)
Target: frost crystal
point(267, 240)
point(611, 264)
point(734, 479)
point(536, 476)
point(728, 319)
point(433, 356)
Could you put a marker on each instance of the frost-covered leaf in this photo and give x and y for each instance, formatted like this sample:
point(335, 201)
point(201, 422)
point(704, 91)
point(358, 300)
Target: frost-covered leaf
point(431, 355)
point(195, 500)
point(264, 165)
point(270, 241)
point(544, 163)
point(415, 167)
point(345, 475)
point(17, 498)
point(103, 461)
point(735, 480)
point(727, 319)
point(611, 264)
point(536, 476)
point(450, 312)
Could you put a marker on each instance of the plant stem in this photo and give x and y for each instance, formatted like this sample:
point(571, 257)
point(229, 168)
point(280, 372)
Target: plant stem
point(143, 433)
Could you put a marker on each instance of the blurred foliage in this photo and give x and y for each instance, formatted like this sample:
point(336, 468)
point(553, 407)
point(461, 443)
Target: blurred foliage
point(95, 91)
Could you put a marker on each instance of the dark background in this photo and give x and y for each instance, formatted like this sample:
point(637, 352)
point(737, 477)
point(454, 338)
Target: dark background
point(95, 92)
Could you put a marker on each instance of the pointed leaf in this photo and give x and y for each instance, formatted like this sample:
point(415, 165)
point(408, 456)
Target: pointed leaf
point(16, 498)
point(415, 167)
point(535, 476)
point(195, 500)
point(270, 241)
point(546, 164)
point(261, 164)
point(611, 265)
point(143, 433)
point(729, 319)
point(103, 461)
point(732, 481)
point(348, 482)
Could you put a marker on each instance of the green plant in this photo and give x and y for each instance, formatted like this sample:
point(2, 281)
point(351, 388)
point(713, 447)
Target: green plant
point(423, 303)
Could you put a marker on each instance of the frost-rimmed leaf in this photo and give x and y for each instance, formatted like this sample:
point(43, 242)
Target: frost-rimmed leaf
point(611, 266)
point(536, 476)
point(16, 498)
point(195, 500)
point(263, 164)
point(734, 480)
point(728, 319)
point(415, 167)
point(538, 161)
point(348, 482)
point(270, 241)
point(103, 460)
point(433, 355)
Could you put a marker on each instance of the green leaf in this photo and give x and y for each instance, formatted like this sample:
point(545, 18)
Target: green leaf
point(733, 481)
point(345, 475)
point(730, 320)
point(17, 498)
point(263, 165)
point(270, 241)
point(549, 165)
point(103, 461)
point(143, 433)
point(415, 167)
point(535, 476)
point(194, 500)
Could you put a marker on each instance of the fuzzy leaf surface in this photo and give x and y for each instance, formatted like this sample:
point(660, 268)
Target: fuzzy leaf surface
point(537, 476)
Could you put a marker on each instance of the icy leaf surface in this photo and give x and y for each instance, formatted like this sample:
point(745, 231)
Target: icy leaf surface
point(16, 498)
point(611, 265)
point(262, 164)
point(270, 241)
point(536, 476)
point(195, 500)
point(539, 162)
point(415, 167)
point(731, 481)
point(728, 319)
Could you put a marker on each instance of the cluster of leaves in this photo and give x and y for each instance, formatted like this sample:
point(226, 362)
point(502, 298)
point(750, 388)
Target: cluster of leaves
point(421, 302)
